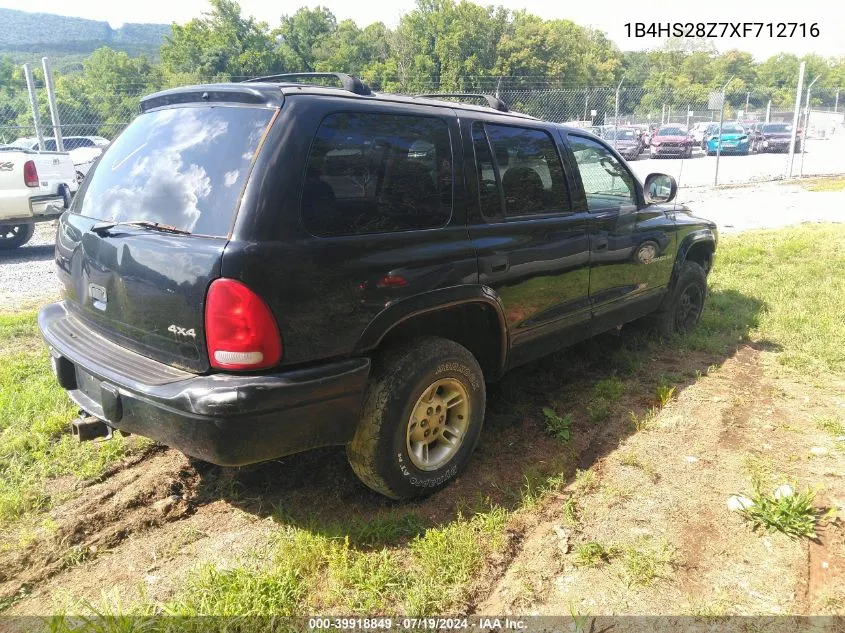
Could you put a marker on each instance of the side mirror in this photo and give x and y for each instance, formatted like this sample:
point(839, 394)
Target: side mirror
point(660, 188)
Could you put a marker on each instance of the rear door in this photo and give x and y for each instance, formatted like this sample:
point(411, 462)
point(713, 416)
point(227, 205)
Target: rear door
point(532, 246)
point(144, 286)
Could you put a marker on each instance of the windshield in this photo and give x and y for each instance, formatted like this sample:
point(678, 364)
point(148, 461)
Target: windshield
point(777, 127)
point(622, 135)
point(183, 167)
point(671, 131)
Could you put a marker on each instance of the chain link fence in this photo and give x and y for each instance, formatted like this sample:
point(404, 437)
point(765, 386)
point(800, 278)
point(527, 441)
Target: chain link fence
point(822, 129)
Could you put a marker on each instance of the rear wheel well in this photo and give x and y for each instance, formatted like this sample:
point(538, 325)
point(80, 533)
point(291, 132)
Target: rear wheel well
point(475, 325)
point(702, 254)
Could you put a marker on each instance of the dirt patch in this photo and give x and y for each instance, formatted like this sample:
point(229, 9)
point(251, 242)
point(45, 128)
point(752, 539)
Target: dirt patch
point(658, 507)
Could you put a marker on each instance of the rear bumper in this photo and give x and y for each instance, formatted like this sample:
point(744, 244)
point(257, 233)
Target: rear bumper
point(225, 419)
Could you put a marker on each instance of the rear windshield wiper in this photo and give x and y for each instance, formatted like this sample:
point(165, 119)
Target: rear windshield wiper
point(100, 228)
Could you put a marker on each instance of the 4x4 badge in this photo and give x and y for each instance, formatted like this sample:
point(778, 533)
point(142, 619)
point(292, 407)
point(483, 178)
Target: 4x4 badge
point(180, 331)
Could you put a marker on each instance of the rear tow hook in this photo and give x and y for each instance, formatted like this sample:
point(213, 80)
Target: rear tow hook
point(86, 428)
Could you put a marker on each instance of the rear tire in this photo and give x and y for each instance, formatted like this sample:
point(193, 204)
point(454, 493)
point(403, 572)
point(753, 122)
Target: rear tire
point(15, 235)
point(682, 309)
point(409, 443)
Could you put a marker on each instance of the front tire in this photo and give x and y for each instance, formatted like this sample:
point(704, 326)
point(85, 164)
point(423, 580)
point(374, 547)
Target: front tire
point(683, 307)
point(422, 417)
point(15, 235)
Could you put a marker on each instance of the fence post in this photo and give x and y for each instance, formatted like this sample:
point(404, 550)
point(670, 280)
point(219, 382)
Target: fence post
point(806, 125)
point(616, 114)
point(768, 110)
point(795, 117)
point(719, 139)
point(54, 111)
point(836, 103)
point(33, 102)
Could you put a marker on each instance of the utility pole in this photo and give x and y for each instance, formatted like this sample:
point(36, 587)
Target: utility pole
point(747, 95)
point(806, 124)
point(54, 111)
point(836, 103)
point(663, 114)
point(768, 110)
point(795, 119)
point(586, 99)
point(33, 102)
point(719, 139)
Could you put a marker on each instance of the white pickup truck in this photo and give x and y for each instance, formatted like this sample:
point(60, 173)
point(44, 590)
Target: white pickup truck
point(34, 187)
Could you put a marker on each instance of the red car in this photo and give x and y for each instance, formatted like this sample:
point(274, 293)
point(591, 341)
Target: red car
point(671, 140)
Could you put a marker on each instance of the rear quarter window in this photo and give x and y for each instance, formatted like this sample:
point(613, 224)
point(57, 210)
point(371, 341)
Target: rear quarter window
point(377, 173)
point(183, 167)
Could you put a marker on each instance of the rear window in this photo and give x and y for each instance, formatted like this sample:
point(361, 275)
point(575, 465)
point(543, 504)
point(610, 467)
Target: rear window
point(183, 167)
point(777, 127)
point(376, 173)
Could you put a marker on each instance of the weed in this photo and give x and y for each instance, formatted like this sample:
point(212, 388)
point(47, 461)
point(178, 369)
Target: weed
point(643, 563)
point(794, 515)
point(633, 459)
point(571, 511)
point(585, 481)
point(832, 425)
point(537, 486)
point(558, 427)
point(646, 421)
point(593, 554)
point(759, 471)
point(665, 394)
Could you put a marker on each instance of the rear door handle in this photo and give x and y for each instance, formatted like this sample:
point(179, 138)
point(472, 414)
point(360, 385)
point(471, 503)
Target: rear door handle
point(600, 243)
point(497, 264)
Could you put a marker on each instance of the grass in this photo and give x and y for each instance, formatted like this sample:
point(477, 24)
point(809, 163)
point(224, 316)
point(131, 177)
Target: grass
point(793, 515)
point(604, 394)
point(635, 460)
point(593, 554)
point(646, 561)
point(825, 184)
point(35, 443)
point(831, 425)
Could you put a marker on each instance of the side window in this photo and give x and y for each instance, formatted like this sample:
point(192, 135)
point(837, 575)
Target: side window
point(49, 145)
point(376, 173)
point(607, 183)
point(488, 175)
point(528, 170)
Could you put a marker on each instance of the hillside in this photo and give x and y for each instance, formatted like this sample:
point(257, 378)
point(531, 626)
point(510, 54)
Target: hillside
point(27, 36)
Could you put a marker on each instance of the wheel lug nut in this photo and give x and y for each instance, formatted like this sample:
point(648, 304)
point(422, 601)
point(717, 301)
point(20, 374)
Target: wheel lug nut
point(430, 411)
point(424, 423)
point(427, 433)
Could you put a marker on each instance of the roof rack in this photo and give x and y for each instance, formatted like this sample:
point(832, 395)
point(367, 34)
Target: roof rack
point(348, 82)
point(493, 102)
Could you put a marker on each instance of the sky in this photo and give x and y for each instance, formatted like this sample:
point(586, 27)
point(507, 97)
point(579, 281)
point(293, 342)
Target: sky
point(608, 15)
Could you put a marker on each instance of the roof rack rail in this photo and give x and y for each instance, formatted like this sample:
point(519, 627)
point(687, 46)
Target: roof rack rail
point(348, 82)
point(493, 102)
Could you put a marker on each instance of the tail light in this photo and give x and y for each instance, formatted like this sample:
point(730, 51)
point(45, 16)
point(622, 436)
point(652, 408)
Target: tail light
point(30, 174)
point(240, 331)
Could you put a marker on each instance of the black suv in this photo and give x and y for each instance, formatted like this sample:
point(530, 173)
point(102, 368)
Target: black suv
point(261, 268)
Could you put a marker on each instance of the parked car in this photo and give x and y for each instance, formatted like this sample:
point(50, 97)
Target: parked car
point(671, 140)
point(625, 140)
point(83, 150)
point(256, 269)
point(733, 140)
point(34, 187)
point(773, 137)
point(699, 132)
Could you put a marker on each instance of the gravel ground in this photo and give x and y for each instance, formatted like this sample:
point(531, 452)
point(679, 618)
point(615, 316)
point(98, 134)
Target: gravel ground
point(28, 277)
point(28, 274)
